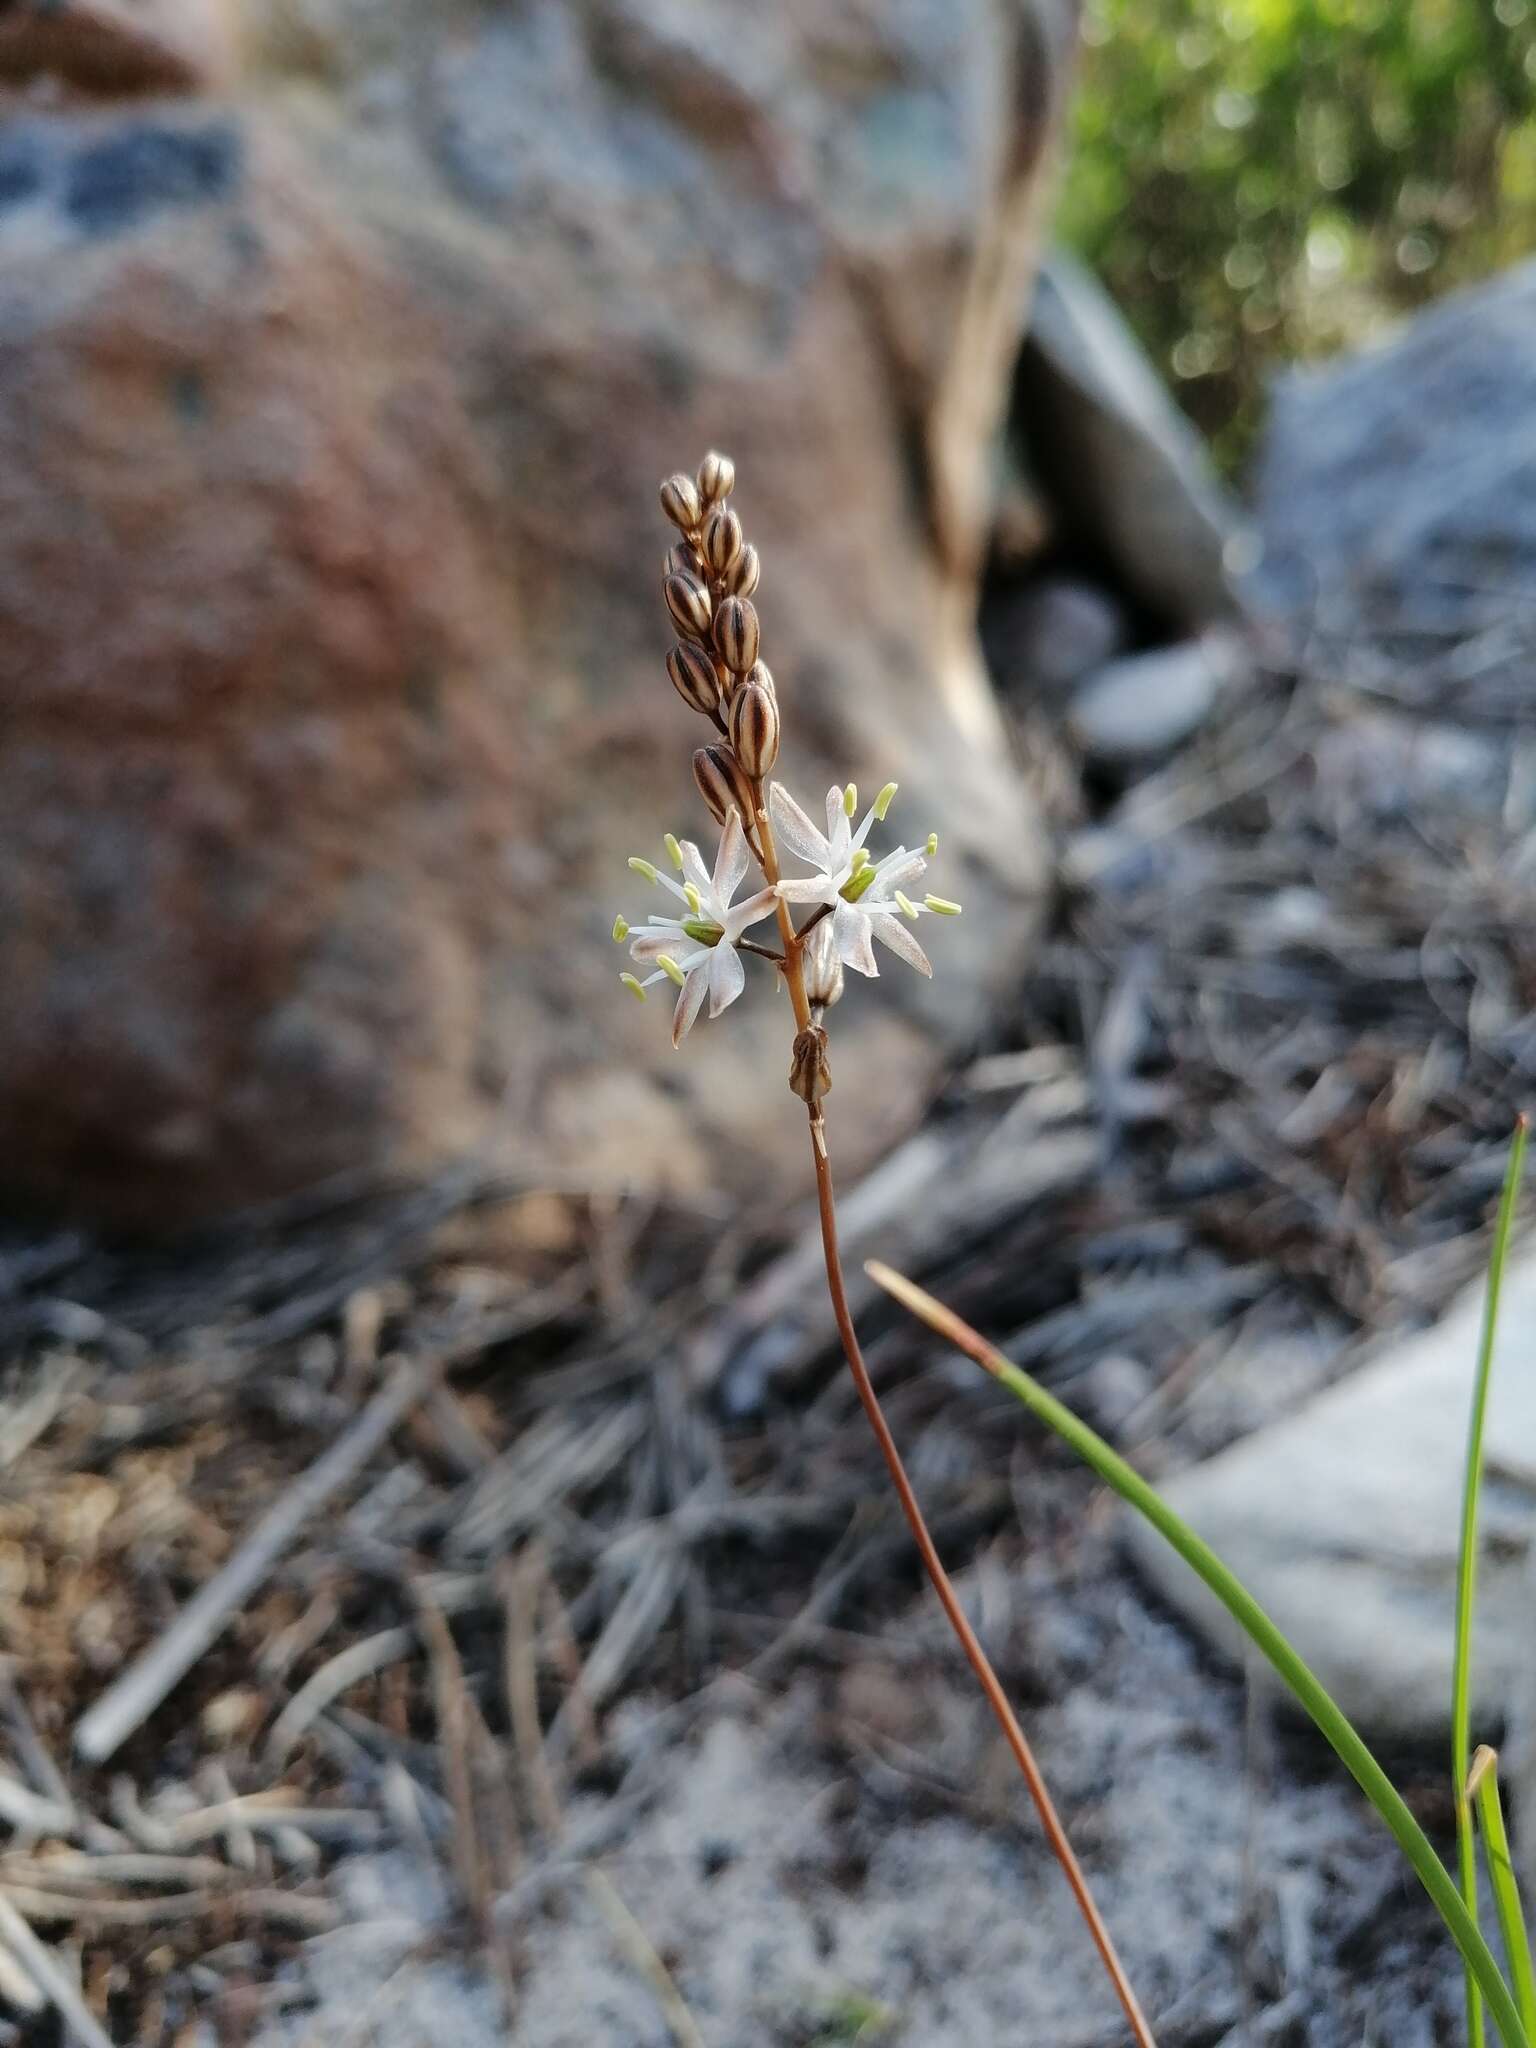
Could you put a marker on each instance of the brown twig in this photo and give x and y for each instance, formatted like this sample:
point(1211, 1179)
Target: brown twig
point(130, 1699)
point(39, 1963)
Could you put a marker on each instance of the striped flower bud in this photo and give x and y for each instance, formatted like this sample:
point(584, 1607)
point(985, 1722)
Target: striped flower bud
point(684, 560)
point(717, 477)
point(688, 602)
point(742, 577)
point(693, 676)
point(723, 785)
point(762, 675)
point(722, 540)
point(736, 634)
point(754, 723)
point(680, 502)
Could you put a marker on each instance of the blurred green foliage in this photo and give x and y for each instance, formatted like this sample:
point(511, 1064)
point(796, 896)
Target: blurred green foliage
point(1261, 180)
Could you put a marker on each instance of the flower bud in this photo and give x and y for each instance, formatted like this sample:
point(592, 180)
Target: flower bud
point(723, 785)
point(754, 725)
point(684, 559)
point(762, 675)
point(822, 966)
point(736, 634)
point(688, 602)
point(809, 1075)
point(717, 477)
point(741, 578)
point(722, 540)
point(693, 676)
point(680, 502)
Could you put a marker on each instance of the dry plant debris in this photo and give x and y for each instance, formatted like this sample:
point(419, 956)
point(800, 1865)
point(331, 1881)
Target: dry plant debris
point(1261, 1085)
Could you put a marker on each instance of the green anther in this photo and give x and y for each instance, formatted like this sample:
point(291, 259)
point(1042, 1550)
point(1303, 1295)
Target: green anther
point(857, 884)
point(850, 799)
point(670, 843)
point(643, 867)
point(703, 931)
point(905, 905)
point(883, 800)
point(632, 983)
point(620, 929)
point(860, 858)
point(942, 905)
point(933, 844)
point(670, 967)
point(695, 900)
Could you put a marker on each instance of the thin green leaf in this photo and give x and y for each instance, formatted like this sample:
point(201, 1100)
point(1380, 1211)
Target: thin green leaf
point(1246, 1611)
point(1466, 1566)
point(1483, 1784)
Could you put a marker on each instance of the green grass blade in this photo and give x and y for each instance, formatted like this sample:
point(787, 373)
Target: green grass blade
point(1307, 1688)
point(1466, 1566)
point(1484, 1785)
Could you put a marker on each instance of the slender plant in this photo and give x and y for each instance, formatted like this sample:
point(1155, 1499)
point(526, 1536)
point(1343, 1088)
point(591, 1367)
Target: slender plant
point(1466, 1571)
point(1483, 1788)
point(845, 900)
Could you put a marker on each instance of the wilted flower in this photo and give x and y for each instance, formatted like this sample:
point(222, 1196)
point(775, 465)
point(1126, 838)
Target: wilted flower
point(698, 949)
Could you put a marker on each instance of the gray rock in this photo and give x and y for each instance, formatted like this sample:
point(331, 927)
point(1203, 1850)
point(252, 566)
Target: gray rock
point(1044, 636)
point(1343, 1522)
point(1396, 494)
point(1137, 709)
point(1118, 460)
point(373, 359)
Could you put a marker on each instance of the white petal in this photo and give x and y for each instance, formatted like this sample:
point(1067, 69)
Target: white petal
point(795, 828)
point(894, 932)
point(731, 863)
point(727, 978)
point(839, 837)
point(657, 939)
point(897, 871)
point(750, 912)
point(689, 998)
point(808, 889)
point(850, 933)
point(694, 869)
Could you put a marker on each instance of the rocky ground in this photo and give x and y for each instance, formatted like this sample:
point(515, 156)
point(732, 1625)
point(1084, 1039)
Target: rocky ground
point(600, 1701)
point(564, 1675)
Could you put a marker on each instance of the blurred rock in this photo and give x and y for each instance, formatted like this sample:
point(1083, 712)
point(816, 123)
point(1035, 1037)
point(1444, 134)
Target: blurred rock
point(119, 46)
point(1021, 519)
point(1044, 636)
point(1138, 709)
point(1125, 471)
point(1343, 1522)
point(330, 638)
point(1396, 495)
point(1112, 1389)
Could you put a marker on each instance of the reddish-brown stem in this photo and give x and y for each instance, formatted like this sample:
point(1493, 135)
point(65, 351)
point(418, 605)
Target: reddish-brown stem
point(794, 971)
point(976, 1656)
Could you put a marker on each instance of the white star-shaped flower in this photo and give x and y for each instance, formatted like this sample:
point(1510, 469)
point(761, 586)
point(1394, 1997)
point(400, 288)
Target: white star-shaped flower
point(868, 898)
point(699, 949)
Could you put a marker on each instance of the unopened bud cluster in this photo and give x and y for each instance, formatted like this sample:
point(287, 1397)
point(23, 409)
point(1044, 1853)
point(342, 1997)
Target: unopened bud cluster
point(708, 579)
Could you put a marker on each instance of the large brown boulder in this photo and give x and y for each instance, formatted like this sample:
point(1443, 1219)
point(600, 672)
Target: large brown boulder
point(330, 635)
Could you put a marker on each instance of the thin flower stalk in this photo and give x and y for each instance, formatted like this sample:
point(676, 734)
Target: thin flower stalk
point(852, 898)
